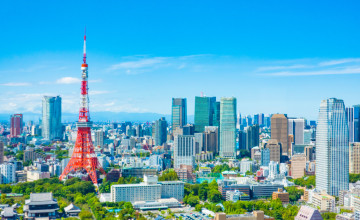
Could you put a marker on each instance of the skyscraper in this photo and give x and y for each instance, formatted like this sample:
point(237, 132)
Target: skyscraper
point(16, 127)
point(51, 118)
point(1, 152)
point(204, 112)
point(252, 136)
point(179, 113)
point(184, 150)
point(350, 120)
point(211, 139)
point(279, 131)
point(332, 147)
point(296, 128)
point(228, 127)
point(99, 138)
point(216, 115)
point(159, 131)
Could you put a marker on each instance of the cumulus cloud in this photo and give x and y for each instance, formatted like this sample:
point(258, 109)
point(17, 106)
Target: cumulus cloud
point(68, 80)
point(16, 84)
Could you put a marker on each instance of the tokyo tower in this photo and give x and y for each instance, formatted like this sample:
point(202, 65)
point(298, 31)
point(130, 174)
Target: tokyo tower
point(84, 157)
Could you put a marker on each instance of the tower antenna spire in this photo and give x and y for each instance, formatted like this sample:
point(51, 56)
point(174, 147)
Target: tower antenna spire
point(84, 58)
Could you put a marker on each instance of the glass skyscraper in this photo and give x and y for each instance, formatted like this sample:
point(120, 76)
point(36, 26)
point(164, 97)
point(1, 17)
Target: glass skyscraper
point(51, 118)
point(228, 127)
point(204, 112)
point(160, 132)
point(178, 113)
point(356, 123)
point(332, 147)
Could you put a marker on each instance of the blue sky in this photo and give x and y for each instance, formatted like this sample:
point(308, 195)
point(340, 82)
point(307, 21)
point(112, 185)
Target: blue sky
point(273, 56)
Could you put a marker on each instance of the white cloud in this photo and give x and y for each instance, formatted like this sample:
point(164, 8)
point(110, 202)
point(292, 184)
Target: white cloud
point(138, 64)
point(95, 92)
point(340, 61)
point(16, 84)
point(318, 72)
point(68, 80)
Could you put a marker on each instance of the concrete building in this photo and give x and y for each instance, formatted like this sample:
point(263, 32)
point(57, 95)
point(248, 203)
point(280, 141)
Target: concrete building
point(99, 138)
point(184, 150)
point(283, 196)
point(7, 171)
point(324, 201)
point(332, 147)
point(255, 215)
point(16, 125)
point(236, 195)
point(298, 166)
point(275, 150)
point(264, 190)
point(309, 153)
point(211, 139)
point(172, 189)
point(185, 173)
point(354, 158)
point(228, 127)
point(279, 132)
point(149, 190)
point(296, 128)
point(33, 175)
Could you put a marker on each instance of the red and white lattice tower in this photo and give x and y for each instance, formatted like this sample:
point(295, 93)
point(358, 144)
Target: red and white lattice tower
point(84, 157)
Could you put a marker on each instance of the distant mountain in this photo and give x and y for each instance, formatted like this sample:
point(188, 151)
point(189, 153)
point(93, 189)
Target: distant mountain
point(100, 117)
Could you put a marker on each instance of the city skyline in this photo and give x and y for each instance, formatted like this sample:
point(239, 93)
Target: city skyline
point(199, 53)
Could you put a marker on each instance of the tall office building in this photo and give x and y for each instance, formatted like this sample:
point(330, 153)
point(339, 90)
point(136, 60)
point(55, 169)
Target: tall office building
point(298, 166)
point(1, 152)
point(332, 147)
point(216, 115)
point(51, 118)
point(296, 128)
point(242, 140)
point(178, 113)
point(99, 138)
point(228, 127)
point(16, 125)
point(211, 139)
point(184, 150)
point(354, 158)
point(350, 120)
point(275, 150)
point(356, 123)
point(204, 112)
point(279, 132)
point(159, 131)
point(252, 136)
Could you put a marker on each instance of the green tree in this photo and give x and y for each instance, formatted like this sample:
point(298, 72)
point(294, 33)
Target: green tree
point(214, 196)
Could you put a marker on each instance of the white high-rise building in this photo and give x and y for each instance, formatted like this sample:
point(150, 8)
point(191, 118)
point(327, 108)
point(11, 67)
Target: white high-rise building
point(184, 150)
point(296, 128)
point(273, 169)
point(332, 147)
point(7, 171)
point(99, 138)
point(51, 118)
point(228, 127)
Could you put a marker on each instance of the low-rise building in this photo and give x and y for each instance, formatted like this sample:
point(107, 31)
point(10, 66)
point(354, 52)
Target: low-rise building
point(264, 190)
point(345, 216)
point(33, 175)
point(9, 214)
point(72, 210)
point(236, 195)
point(172, 189)
point(185, 173)
point(255, 215)
point(324, 202)
point(280, 194)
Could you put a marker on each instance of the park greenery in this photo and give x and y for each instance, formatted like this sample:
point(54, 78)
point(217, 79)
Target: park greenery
point(168, 175)
point(353, 178)
point(294, 193)
point(204, 192)
point(305, 181)
point(105, 187)
point(81, 193)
